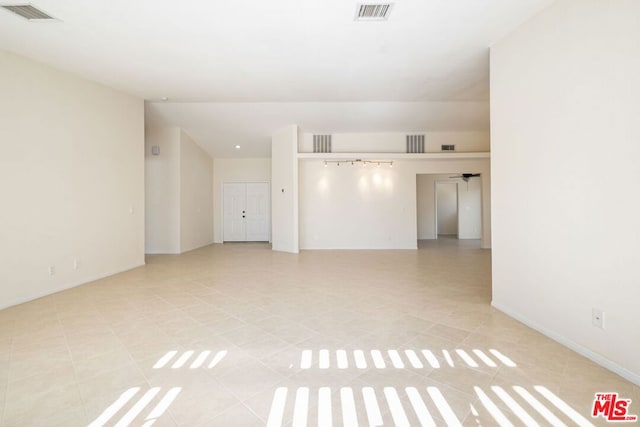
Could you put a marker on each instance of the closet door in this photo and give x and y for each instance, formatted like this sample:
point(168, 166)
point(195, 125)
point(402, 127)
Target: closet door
point(234, 205)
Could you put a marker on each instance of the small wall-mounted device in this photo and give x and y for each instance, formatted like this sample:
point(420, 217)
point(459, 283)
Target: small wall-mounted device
point(155, 150)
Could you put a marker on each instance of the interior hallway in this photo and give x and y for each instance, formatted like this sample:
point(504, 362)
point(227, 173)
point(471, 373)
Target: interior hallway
point(237, 334)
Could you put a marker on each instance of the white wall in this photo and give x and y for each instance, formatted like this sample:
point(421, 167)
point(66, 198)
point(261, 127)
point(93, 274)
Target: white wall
point(179, 193)
point(565, 147)
point(469, 141)
point(469, 209)
point(284, 190)
point(425, 193)
point(235, 170)
point(447, 208)
point(162, 191)
point(196, 195)
point(71, 180)
point(350, 207)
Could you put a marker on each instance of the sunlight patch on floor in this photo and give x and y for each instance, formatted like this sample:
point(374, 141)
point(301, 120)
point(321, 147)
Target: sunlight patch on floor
point(109, 415)
point(342, 359)
point(495, 405)
point(182, 360)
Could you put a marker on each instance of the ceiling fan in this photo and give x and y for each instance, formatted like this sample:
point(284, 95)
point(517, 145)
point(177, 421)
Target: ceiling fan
point(466, 176)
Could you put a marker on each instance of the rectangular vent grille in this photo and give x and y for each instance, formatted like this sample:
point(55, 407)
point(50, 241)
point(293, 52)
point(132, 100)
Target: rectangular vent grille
point(321, 143)
point(449, 147)
point(28, 12)
point(373, 12)
point(415, 143)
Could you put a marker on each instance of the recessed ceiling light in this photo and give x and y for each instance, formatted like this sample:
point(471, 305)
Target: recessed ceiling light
point(164, 98)
point(237, 146)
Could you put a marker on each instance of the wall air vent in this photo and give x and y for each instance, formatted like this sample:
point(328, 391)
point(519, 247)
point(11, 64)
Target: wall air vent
point(373, 12)
point(448, 147)
point(321, 143)
point(28, 12)
point(415, 143)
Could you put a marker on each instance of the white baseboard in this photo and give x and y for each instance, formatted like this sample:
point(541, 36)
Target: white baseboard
point(358, 248)
point(189, 249)
point(179, 252)
point(595, 357)
point(66, 286)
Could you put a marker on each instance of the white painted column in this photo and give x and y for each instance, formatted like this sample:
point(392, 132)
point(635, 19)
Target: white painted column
point(284, 189)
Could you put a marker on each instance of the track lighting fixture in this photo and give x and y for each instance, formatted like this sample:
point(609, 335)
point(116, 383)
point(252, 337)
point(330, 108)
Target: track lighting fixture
point(364, 163)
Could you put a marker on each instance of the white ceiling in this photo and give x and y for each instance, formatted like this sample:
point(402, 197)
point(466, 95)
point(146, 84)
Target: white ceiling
point(305, 53)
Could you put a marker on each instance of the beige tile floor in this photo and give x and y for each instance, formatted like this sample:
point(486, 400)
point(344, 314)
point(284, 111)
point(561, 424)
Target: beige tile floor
point(238, 335)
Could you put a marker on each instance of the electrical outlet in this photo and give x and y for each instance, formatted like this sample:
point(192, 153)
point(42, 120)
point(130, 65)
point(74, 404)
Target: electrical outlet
point(52, 270)
point(76, 263)
point(597, 318)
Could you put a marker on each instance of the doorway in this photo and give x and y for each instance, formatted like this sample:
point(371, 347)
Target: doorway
point(454, 213)
point(246, 207)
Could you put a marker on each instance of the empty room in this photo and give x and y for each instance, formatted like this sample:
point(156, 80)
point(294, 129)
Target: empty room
point(319, 213)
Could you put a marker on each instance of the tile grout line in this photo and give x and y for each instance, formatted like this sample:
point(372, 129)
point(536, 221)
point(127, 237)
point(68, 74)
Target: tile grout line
point(73, 364)
point(139, 369)
point(6, 385)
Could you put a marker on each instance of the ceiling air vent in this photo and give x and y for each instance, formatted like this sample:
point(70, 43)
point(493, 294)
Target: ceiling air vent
point(28, 12)
point(373, 12)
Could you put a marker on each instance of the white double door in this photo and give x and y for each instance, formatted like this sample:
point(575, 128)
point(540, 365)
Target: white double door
point(246, 212)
